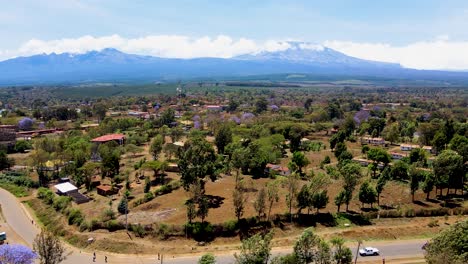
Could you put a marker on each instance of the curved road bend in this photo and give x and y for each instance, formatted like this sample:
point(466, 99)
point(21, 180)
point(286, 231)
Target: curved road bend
point(20, 221)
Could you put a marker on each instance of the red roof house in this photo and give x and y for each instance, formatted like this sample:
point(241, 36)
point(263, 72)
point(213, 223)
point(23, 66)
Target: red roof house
point(111, 137)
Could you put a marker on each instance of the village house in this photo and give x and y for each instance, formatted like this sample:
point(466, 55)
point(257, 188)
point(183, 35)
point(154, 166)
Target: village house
point(397, 156)
point(280, 170)
point(408, 147)
point(372, 141)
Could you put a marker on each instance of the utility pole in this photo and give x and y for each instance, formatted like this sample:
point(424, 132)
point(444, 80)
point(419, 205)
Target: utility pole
point(357, 251)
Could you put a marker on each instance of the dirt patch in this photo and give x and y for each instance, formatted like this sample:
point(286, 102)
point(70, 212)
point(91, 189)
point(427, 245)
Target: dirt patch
point(148, 217)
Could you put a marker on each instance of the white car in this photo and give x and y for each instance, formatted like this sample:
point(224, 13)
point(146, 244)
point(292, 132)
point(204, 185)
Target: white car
point(368, 251)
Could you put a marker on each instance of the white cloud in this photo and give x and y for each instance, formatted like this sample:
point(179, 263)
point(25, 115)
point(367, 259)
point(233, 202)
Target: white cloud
point(175, 46)
point(440, 53)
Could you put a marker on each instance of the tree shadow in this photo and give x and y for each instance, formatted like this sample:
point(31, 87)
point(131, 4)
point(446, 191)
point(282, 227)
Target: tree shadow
point(215, 201)
point(387, 207)
point(421, 203)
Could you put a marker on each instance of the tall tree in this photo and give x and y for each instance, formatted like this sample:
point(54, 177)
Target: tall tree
point(197, 161)
point(449, 171)
point(260, 202)
point(341, 253)
point(367, 194)
point(298, 162)
point(255, 249)
point(239, 199)
point(428, 184)
point(351, 173)
point(156, 146)
point(449, 246)
point(223, 137)
point(272, 196)
point(49, 248)
point(292, 186)
point(320, 200)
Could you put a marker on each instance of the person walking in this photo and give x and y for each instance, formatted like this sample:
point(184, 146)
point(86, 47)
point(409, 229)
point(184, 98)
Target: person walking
point(105, 259)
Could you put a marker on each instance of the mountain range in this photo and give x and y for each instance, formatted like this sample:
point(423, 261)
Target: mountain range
point(111, 65)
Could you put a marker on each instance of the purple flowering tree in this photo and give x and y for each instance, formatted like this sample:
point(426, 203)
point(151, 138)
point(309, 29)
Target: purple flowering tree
point(274, 108)
point(25, 123)
point(236, 120)
point(247, 117)
point(361, 116)
point(196, 124)
point(16, 254)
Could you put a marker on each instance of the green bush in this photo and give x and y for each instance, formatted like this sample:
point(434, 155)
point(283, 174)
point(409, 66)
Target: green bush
point(85, 226)
point(46, 195)
point(61, 203)
point(230, 227)
point(139, 230)
point(148, 197)
point(114, 225)
point(75, 217)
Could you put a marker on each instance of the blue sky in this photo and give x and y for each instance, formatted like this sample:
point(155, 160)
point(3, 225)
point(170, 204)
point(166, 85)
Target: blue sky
point(343, 24)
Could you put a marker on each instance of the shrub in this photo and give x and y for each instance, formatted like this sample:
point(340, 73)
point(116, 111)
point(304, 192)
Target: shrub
point(61, 203)
point(46, 195)
point(75, 217)
point(148, 197)
point(139, 230)
point(230, 227)
point(108, 214)
point(114, 225)
point(85, 226)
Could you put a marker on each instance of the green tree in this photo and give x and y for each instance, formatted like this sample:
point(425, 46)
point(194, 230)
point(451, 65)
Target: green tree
point(340, 199)
point(132, 148)
point(460, 145)
point(320, 200)
point(223, 137)
point(391, 133)
point(379, 155)
point(449, 171)
point(207, 259)
point(239, 199)
point(419, 156)
point(428, 184)
point(449, 246)
point(5, 162)
point(341, 253)
point(439, 141)
point(351, 173)
point(156, 146)
point(309, 248)
point(123, 206)
point(260, 202)
point(22, 145)
point(49, 248)
point(299, 161)
point(308, 104)
point(255, 250)
point(197, 160)
point(367, 194)
point(415, 176)
point(292, 186)
point(399, 171)
point(191, 210)
point(261, 105)
point(203, 208)
point(381, 181)
point(304, 198)
point(272, 196)
point(176, 133)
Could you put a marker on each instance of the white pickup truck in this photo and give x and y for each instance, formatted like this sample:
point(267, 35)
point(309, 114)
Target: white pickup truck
point(368, 251)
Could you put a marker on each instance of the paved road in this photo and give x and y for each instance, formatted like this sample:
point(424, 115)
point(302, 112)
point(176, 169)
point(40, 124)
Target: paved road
point(20, 221)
